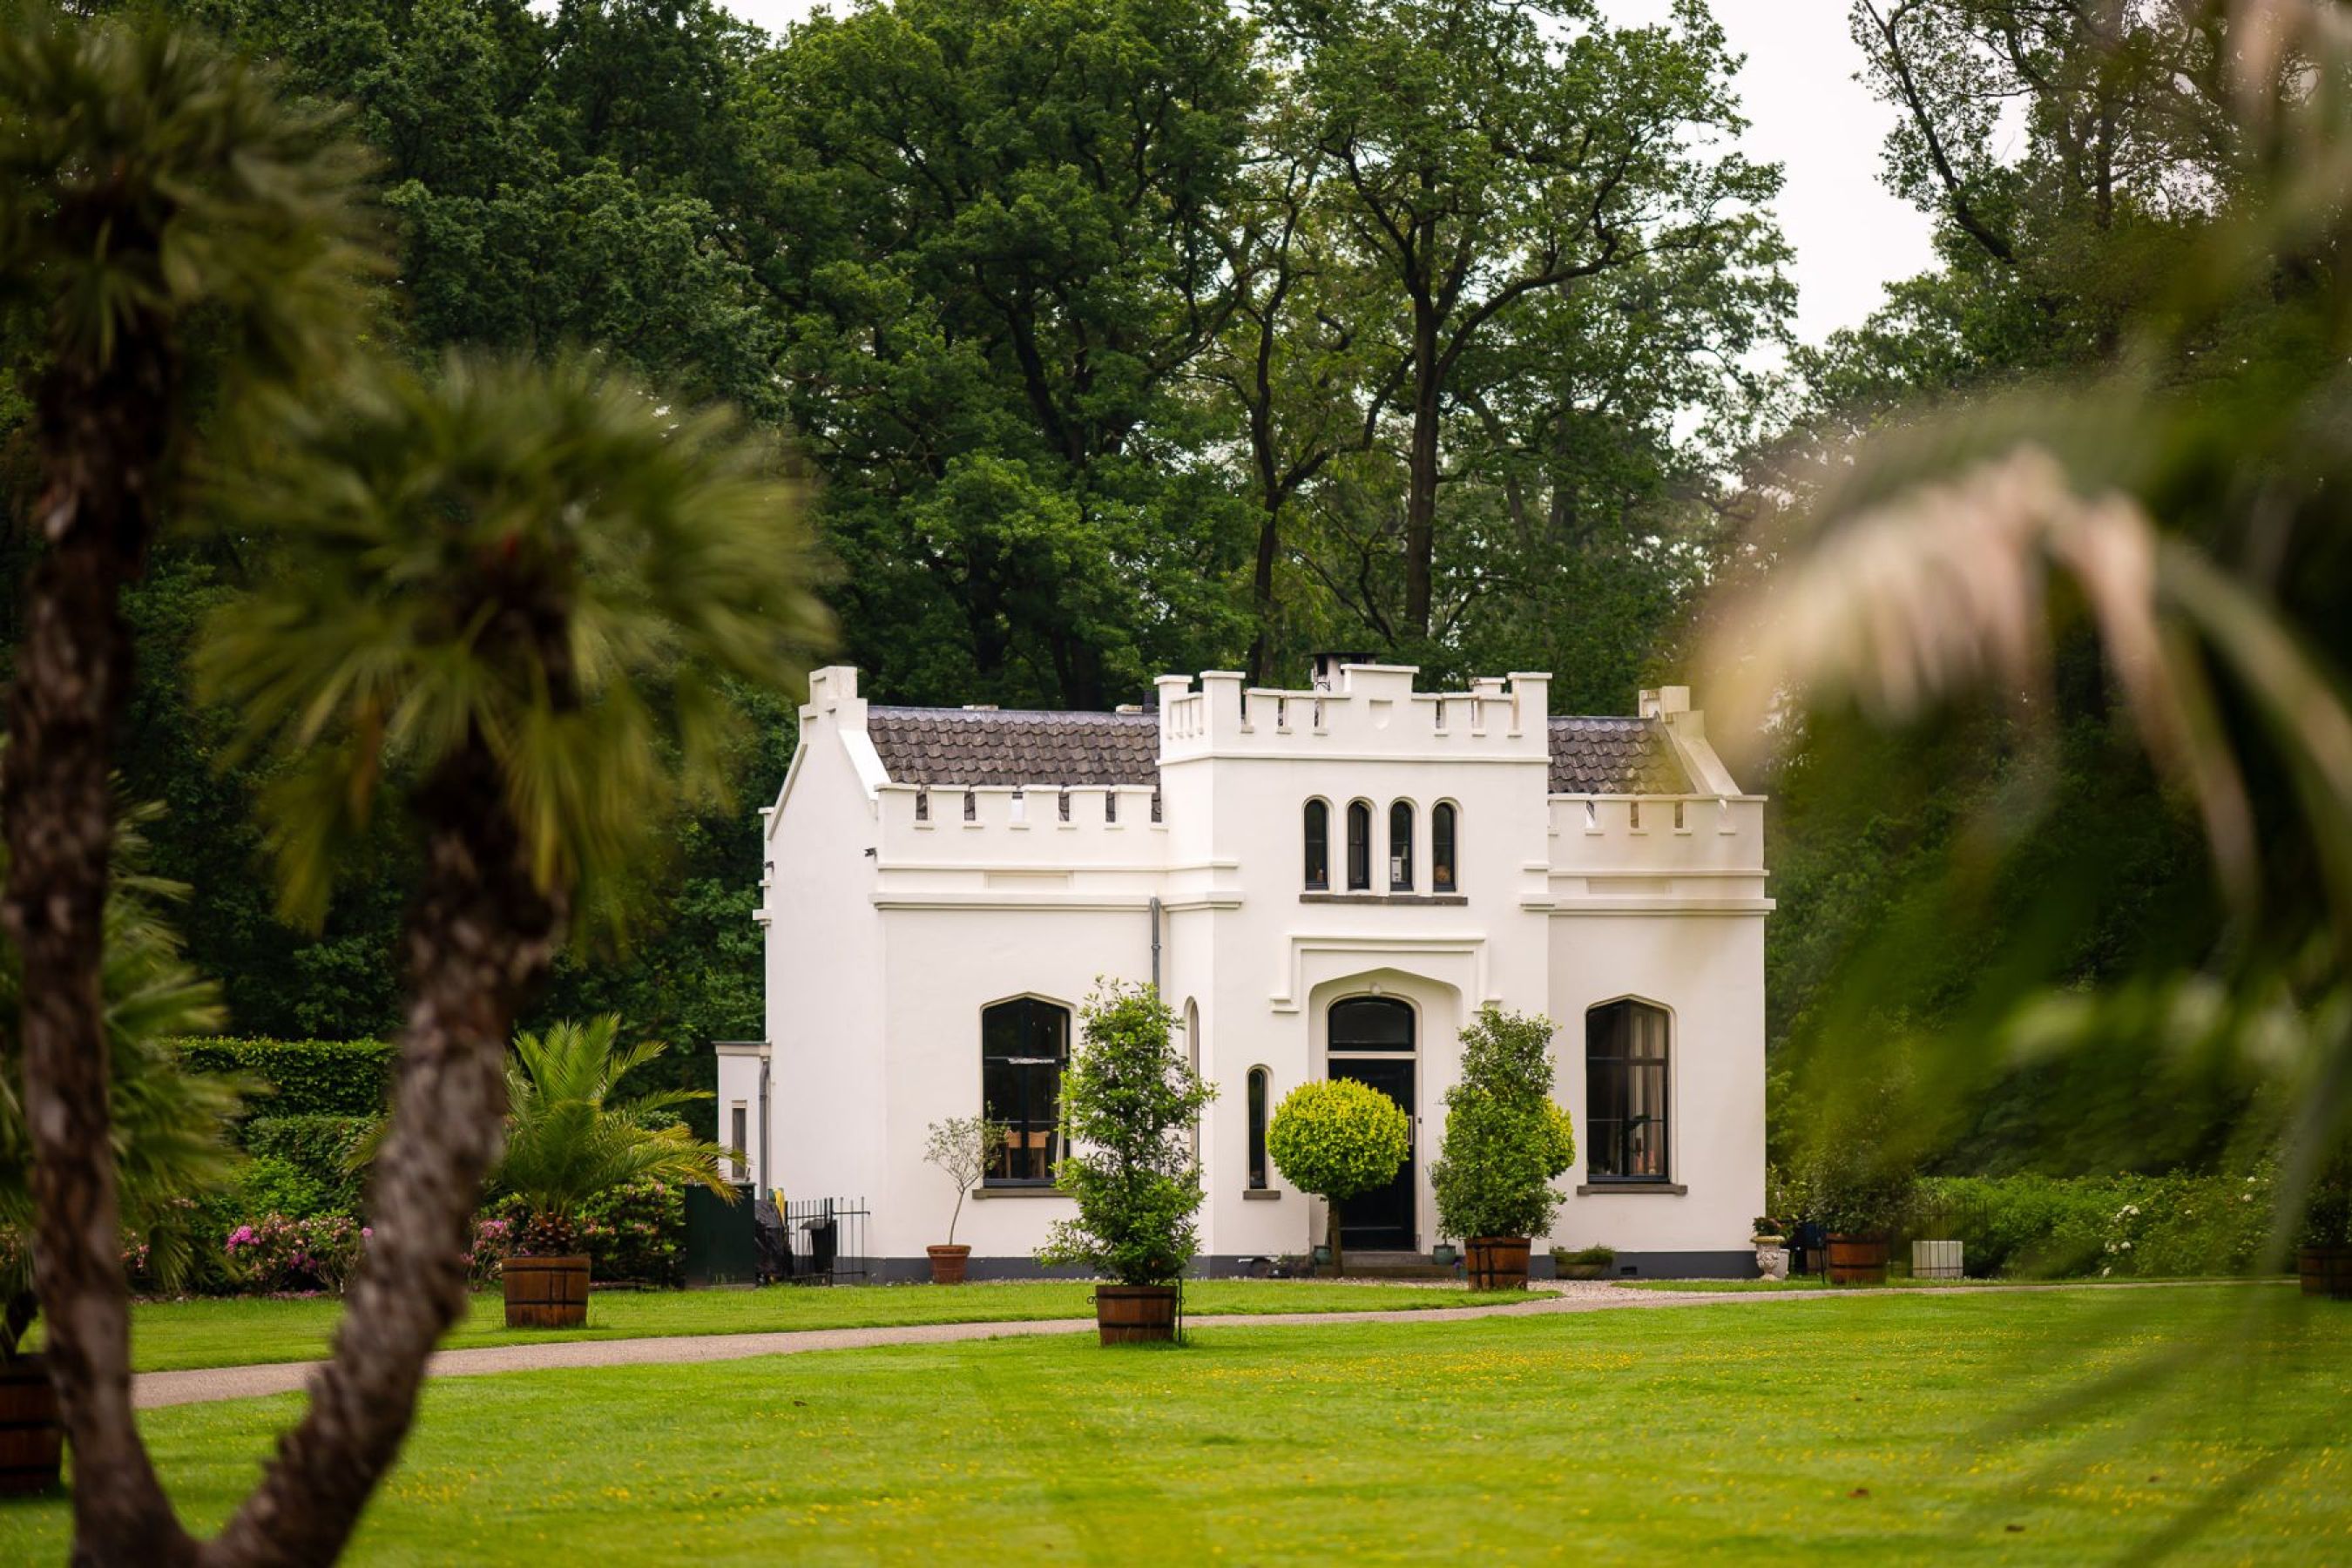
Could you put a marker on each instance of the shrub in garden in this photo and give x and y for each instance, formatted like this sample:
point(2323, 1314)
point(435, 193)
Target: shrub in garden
point(281, 1253)
point(1336, 1138)
point(298, 1078)
point(633, 1232)
point(324, 1147)
point(2120, 1226)
point(1129, 1099)
point(1505, 1140)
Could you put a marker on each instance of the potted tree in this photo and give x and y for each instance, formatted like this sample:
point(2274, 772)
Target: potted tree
point(1505, 1144)
point(569, 1138)
point(1858, 1195)
point(1336, 1138)
point(1129, 1100)
point(959, 1146)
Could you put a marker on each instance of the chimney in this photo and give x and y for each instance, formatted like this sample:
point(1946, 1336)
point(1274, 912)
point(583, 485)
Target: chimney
point(1326, 668)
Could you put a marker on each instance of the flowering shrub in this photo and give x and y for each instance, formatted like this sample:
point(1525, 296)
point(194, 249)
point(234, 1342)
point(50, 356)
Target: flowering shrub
point(486, 1259)
point(279, 1253)
point(634, 1233)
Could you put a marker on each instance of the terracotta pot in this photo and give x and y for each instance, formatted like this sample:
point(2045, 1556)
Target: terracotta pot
point(546, 1292)
point(31, 1439)
point(1498, 1263)
point(948, 1264)
point(1135, 1314)
point(2326, 1271)
point(1857, 1260)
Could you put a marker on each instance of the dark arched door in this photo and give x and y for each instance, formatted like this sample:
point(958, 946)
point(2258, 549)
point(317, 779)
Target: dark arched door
point(1371, 1041)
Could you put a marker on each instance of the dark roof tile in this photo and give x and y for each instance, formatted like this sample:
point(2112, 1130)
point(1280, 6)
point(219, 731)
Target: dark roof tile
point(1613, 756)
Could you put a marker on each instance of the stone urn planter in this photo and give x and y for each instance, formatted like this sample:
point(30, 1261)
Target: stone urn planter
point(1498, 1263)
point(1771, 1257)
point(1857, 1260)
point(2326, 1271)
point(546, 1292)
point(31, 1437)
point(948, 1264)
point(1135, 1314)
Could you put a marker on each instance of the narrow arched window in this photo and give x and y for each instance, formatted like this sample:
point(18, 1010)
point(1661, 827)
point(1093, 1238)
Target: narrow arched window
point(1440, 848)
point(1401, 847)
point(1024, 1044)
point(1359, 847)
point(1318, 846)
point(1625, 1088)
point(1259, 1092)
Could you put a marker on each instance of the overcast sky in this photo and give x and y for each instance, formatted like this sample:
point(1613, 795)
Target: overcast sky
point(1808, 114)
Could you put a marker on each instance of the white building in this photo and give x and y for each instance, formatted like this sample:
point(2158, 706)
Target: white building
point(1326, 881)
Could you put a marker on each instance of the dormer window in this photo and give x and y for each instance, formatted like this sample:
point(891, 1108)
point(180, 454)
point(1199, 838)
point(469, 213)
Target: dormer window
point(1359, 847)
point(1318, 846)
point(1400, 847)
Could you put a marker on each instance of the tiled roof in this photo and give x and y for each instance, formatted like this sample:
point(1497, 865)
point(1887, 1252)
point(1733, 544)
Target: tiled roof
point(1010, 746)
point(1613, 756)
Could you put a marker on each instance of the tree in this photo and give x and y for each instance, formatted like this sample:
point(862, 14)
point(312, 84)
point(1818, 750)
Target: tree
point(500, 599)
point(962, 1146)
point(1506, 1142)
point(1131, 1101)
point(571, 1136)
point(1337, 1138)
point(1493, 157)
point(152, 192)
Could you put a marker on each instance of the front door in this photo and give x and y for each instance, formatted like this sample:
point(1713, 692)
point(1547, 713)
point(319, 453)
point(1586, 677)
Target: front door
point(1377, 1035)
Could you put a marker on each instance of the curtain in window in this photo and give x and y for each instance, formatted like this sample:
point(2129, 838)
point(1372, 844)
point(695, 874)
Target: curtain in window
point(1024, 1045)
point(1625, 1050)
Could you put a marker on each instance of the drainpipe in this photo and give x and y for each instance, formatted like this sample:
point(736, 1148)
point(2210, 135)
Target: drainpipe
point(1155, 943)
point(767, 1169)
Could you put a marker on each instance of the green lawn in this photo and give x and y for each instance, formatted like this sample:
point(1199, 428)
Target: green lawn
point(1873, 1427)
point(166, 1335)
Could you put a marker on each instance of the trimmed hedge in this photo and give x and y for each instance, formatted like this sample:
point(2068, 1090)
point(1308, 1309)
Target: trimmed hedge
point(320, 1147)
point(305, 1077)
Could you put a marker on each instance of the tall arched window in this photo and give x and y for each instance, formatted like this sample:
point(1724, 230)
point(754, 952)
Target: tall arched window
point(1625, 1088)
point(1359, 847)
point(1318, 846)
point(1400, 847)
point(1260, 1088)
point(1024, 1045)
point(1440, 848)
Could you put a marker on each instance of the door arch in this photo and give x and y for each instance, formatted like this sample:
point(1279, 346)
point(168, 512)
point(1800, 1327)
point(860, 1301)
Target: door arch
point(1374, 1040)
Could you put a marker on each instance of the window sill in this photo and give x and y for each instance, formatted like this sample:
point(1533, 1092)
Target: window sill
point(1649, 1189)
point(1260, 1195)
point(1044, 1190)
point(1448, 899)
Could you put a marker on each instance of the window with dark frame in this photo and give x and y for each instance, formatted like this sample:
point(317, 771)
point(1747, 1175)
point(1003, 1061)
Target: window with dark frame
point(1400, 847)
point(1360, 847)
point(741, 1127)
point(1625, 1086)
point(1258, 1088)
point(1440, 848)
point(1318, 846)
point(1024, 1044)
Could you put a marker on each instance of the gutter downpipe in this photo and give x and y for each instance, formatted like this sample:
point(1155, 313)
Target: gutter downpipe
point(767, 1165)
point(1155, 944)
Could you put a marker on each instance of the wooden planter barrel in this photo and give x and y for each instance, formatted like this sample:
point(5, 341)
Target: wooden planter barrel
point(1498, 1262)
point(546, 1292)
point(2326, 1271)
point(31, 1439)
point(1857, 1260)
point(1135, 1314)
point(948, 1264)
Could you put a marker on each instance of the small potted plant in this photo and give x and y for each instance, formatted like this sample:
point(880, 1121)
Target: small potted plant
point(960, 1146)
point(1506, 1143)
point(1336, 1138)
point(1445, 1254)
point(1130, 1101)
point(2323, 1259)
point(1584, 1263)
point(1771, 1240)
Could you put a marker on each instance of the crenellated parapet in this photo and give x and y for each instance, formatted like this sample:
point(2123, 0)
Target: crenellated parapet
point(1371, 713)
point(1007, 825)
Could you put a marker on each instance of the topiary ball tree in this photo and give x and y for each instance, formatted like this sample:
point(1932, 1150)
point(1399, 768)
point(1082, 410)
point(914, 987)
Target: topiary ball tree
point(1128, 1102)
point(1335, 1139)
point(1505, 1140)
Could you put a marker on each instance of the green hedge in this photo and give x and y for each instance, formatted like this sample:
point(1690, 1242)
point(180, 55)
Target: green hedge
point(320, 1147)
point(304, 1078)
point(2118, 1226)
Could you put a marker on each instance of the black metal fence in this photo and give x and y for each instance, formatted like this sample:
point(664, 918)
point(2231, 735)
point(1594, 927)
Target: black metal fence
point(814, 1241)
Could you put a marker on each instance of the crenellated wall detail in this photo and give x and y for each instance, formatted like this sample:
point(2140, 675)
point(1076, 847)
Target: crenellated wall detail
point(1374, 714)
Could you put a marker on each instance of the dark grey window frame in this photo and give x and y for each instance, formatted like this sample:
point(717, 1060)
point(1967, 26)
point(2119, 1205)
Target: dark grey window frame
point(1612, 1062)
point(1400, 815)
point(1032, 1069)
point(1359, 847)
point(1317, 828)
point(1444, 845)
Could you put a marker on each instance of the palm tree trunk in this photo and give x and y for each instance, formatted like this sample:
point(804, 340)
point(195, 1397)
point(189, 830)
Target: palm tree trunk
point(103, 439)
point(480, 940)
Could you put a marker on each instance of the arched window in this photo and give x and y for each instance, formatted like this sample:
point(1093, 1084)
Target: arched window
point(1260, 1088)
point(1625, 1086)
point(1400, 847)
point(1359, 847)
point(1440, 848)
point(1318, 846)
point(1024, 1044)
